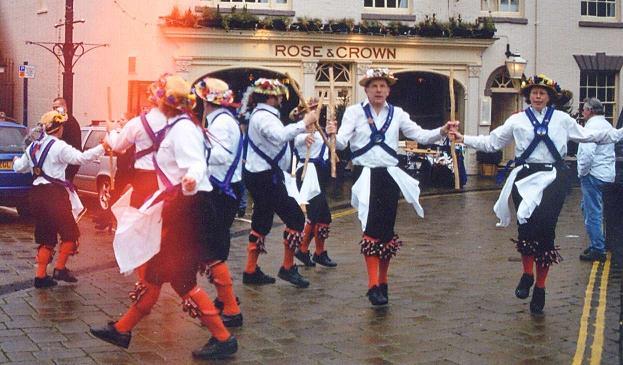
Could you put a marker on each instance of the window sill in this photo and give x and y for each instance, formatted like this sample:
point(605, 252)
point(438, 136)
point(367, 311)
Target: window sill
point(42, 11)
point(507, 20)
point(392, 17)
point(267, 12)
point(597, 24)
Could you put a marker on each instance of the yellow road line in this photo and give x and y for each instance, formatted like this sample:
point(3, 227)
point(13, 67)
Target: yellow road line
point(586, 311)
point(598, 337)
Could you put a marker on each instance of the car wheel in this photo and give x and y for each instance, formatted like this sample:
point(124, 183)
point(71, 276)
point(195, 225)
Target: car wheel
point(103, 193)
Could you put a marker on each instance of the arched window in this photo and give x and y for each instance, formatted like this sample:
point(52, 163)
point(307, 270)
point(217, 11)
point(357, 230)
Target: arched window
point(342, 79)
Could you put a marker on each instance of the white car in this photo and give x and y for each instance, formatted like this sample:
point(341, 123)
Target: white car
point(94, 178)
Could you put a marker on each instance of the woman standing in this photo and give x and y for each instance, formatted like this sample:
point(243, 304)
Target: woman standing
point(180, 164)
point(537, 184)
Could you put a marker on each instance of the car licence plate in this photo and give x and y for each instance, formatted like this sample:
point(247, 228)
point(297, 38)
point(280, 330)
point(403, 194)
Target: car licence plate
point(6, 165)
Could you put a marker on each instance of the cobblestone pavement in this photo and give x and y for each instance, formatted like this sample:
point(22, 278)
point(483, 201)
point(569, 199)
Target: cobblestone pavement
point(451, 300)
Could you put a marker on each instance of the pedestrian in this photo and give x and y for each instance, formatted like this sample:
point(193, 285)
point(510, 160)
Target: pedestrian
point(225, 175)
point(56, 205)
point(180, 163)
point(71, 134)
point(596, 169)
point(318, 214)
point(538, 183)
point(265, 173)
point(372, 128)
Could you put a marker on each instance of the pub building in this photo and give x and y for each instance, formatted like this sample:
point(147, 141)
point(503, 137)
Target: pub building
point(143, 41)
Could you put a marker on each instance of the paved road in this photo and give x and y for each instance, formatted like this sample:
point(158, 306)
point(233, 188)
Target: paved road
point(451, 300)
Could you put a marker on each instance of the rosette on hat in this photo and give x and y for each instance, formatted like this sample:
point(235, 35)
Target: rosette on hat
point(270, 87)
point(378, 73)
point(215, 91)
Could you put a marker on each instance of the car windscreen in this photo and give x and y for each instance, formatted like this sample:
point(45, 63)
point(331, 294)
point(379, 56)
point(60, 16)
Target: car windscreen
point(12, 140)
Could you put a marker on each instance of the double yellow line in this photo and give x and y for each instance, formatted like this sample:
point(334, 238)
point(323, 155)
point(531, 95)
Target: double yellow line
point(600, 317)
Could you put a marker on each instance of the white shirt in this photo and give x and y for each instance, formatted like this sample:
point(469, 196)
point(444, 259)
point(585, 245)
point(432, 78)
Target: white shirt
point(355, 129)
point(597, 160)
point(315, 148)
point(269, 135)
point(183, 152)
point(561, 129)
point(224, 139)
point(59, 156)
point(133, 133)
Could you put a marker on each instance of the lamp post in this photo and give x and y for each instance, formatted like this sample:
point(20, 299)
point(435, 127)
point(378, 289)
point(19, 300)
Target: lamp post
point(515, 65)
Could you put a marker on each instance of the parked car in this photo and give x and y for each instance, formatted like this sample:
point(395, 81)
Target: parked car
point(14, 186)
point(94, 178)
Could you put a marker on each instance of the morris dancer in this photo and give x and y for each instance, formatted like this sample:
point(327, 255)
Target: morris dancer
point(225, 174)
point(264, 178)
point(318, 213)
point(180, 163)
point(372, 128)
point(54, 197)
point(538, 183)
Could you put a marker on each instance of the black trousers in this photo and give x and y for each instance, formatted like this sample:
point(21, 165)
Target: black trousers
point(541, 226)
point(181, 251)
point(268, 199)
point(218, 211)
point(52, 214)
point(384, 195)
point(318, 208)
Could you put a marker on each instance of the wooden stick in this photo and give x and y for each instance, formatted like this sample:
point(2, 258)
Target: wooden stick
point(110, 164)
point(303, 102)
point(308, 154)
point(330, 117)
point(455, 162)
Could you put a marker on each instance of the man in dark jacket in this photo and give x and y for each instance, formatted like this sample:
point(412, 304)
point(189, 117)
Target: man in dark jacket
point(71, 135)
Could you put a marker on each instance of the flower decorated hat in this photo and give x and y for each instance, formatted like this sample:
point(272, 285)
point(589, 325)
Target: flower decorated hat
point(378, 73)
point(214, 91)
point(270, 87)
point(172, 91)
point(52, 121)
point(540, 80)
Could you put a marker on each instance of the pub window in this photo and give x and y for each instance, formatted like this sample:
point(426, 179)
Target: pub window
point(343, 83)
point(600, 85)
point(598, 8)
point(500, 6)
point(256, 3)
point(386, 4)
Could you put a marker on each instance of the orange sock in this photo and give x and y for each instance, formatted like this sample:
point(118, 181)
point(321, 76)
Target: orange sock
point(225, 289)
point(307, 236)
point(67, 249)
point(288, 256)
point(372, 263)
point(252, 256)
point(541, 275)
point(383, 271)
point(43, 258)
point(141, 271)
point(209, 314)
point(319, 240)
point(528, 264)
point(139, 309)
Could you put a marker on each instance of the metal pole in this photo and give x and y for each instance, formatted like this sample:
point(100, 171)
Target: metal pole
point(68, 55)
point(25, 103)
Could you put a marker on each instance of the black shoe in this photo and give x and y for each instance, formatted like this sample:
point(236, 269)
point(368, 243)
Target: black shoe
point(523, 288)
point(45, 282)
point(292, 275)
point(216, 349)
point(220, 305)
point(324, 260)
point(304, 257)
point(232, 321)
point(593, 255)
point(257, 277)
point(586, 251)
point(383, 289)
point(110, 334)
point(64, 275)
point(375, 296)
point(241, 212)
point(538, 300)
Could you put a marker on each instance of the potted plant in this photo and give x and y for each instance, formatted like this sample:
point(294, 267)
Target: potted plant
point(373, 27)
point(211, 18)
point(189, 19)
point(281, 23)
point(306, 24)
point(486, 28)
point(174, 19)
point(488, 162)
point(430, 27)
point(458, 28)
point(240, 19)
point(265, 23)
point(398, 28)
point(344, 25)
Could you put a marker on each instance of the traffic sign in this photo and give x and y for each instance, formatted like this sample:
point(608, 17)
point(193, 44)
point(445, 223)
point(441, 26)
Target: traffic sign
point(25, 71)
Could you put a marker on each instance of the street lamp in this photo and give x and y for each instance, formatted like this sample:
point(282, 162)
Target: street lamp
point(515, 65)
